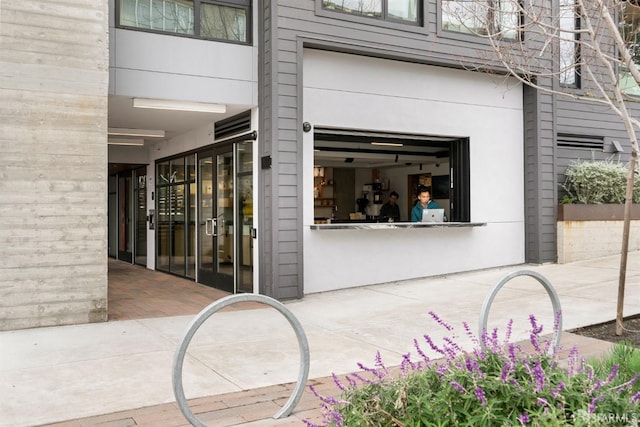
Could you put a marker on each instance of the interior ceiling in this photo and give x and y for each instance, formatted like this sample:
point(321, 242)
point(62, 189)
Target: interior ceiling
point(355, 149)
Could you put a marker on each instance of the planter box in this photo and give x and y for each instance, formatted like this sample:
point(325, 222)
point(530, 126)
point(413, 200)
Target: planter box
point(592, 231)
point(605, 212)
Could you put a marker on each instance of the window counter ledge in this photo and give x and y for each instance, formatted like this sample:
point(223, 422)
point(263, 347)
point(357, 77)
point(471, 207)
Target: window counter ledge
point(389, 225)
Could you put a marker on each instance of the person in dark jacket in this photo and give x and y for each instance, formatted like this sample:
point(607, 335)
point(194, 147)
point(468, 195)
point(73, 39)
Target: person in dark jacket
point(390, 211)
point(424, 202)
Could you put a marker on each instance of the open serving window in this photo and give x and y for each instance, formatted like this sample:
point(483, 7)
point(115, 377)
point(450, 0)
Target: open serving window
point(356, 171)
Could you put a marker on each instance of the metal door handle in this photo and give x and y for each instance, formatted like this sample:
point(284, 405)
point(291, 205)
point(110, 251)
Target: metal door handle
point(210, 227)
point(206, 227)
point(214, 227)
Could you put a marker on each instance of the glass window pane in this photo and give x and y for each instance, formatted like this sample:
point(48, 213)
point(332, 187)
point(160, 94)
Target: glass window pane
point(477, 17)
point(406, 10)
point(177, 170)
point(223, 22)
point(465, 16)
point(177, 251)
point(507, 17)
point(191, 242)
point(175, 16)
point(245, 157)
point(630, 31)
point(191, 168)
point(358, 7)
point(163, 174)
point(162, 236)
point(567, 43)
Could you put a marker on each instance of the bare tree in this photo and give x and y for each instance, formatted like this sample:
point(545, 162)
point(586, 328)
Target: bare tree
point(556, 48)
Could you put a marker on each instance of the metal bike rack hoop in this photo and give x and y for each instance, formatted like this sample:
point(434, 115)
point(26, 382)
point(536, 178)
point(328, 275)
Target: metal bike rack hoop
point(178, 361)
point(555, 301)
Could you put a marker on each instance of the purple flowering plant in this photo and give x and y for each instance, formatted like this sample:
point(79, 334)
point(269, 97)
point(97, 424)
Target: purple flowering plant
point(497, 383)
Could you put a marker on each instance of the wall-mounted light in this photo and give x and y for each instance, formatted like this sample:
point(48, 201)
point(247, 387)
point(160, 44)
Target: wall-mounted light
point(616, 147)
point(166, 104)
point(306, 126)
point(145, 133)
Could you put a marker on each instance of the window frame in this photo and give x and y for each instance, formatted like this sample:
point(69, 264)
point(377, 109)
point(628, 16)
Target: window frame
point(355, 142)
point(245, 5)
point(577, 83)
point(468, 35)
point(630, 91)
point(384, 21)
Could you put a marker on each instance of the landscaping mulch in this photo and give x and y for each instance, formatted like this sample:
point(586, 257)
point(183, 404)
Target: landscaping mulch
point(607, 331)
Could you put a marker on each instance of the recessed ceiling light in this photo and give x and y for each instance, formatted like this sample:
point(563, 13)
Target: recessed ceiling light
point(166, 104)
point(125, 141)
point(147, 133)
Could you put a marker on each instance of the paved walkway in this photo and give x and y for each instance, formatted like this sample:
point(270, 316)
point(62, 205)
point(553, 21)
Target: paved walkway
point(242, 361)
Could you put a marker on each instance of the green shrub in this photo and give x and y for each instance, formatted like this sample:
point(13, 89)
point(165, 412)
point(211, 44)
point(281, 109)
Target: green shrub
point(496, 384)
point(595, 182)
point(626, 356)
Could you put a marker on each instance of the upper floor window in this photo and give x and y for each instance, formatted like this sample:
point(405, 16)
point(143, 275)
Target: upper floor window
point(496, 17)
point(209, 19)
point(392, 10)
point(569, 39)
point(630, 30)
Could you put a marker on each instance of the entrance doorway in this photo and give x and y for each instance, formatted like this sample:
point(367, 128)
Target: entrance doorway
point(205, 215)
point(216, 252)
point(127, 235)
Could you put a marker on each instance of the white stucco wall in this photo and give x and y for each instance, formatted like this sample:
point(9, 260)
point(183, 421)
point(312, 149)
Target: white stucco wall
point(357, 92)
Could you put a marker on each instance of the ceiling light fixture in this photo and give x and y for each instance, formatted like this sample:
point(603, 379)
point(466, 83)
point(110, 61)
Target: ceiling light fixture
point(389, 144)
point(126, 141)
point(146, 133)
point(165, 104)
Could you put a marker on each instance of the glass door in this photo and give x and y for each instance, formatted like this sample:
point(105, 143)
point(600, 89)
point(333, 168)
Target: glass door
point(140, 196)
point(175, 208)
point(216, 251)
point(125, 217)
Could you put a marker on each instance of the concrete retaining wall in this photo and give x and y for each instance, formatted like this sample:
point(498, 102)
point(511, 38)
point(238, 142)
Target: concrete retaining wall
point(53, 145)
point(580, 240)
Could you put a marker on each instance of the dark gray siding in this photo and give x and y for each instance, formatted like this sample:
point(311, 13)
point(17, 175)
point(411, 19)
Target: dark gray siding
point(281, 211)
point(589, 120)
point(540, 215)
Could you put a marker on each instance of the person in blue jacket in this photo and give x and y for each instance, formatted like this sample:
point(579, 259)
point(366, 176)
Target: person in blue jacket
point(424, 202)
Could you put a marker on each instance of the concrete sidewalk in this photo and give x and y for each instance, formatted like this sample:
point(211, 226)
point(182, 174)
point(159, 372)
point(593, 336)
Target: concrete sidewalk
point(56, 374)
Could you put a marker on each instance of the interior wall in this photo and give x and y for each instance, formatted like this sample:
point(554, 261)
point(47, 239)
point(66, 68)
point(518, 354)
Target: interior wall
point(345, 194)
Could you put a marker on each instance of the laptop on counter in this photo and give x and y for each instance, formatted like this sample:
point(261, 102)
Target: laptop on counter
point(433, 215)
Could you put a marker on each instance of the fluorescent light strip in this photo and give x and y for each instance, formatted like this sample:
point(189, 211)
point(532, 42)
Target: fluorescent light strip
point(126, 141)
point(389, 144)
point(163, 104)
point(147, 133)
